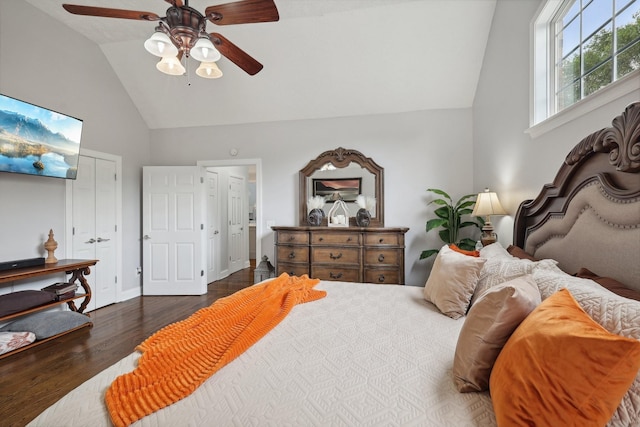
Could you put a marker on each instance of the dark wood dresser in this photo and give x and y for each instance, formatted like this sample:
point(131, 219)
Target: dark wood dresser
point(349, 254)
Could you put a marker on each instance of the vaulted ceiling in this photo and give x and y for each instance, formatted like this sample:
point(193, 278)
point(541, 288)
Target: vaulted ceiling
point(323, 58)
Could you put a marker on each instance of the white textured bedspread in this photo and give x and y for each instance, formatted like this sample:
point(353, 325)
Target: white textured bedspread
point(365, 355)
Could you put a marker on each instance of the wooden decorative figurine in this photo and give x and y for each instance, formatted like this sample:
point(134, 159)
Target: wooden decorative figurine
point(50, 245)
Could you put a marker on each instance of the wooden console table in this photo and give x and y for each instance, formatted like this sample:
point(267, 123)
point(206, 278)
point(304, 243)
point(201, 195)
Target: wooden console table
point(78, 268)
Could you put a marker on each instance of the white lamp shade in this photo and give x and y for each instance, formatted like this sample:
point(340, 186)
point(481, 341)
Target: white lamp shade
point(487, 203)
point(159, 44)
point(209, 70)
point(171, 65)
point(205, 51)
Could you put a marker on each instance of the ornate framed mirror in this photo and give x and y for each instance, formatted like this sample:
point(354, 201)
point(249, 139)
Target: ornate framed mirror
point(347, 165)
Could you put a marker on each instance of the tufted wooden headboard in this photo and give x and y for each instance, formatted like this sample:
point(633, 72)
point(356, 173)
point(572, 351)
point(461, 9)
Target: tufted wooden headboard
point(590, 215)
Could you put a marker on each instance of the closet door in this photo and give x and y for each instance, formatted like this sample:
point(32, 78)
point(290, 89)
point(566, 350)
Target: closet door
point(94, 232)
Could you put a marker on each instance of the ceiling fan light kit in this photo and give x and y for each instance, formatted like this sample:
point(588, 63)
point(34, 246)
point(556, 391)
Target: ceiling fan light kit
point(171, 65)
point(159, 44)
point(182, 33)
point(209, 70)
point(205, 51)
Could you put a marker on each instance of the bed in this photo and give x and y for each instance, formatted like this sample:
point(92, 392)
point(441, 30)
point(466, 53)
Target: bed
point(387, 355)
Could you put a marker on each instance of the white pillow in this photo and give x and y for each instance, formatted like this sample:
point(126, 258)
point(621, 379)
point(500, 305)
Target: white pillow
point(495, 250)
point(452, 281)
point(500, 269)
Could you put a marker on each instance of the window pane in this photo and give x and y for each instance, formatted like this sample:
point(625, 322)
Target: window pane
point(569, 95)
point(629, 60)
point(569, 69)
point(598, 48)
point(569, 38)
point(598, 78)
point(593, 16)
point(628, 26)
point(620, 4)
point(575, 8)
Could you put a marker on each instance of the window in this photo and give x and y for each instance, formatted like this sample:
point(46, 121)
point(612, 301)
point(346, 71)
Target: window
point(597, 42)
point(580, 47)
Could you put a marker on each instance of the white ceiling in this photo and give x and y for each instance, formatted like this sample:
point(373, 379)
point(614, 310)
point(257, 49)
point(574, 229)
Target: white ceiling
point(324, 58)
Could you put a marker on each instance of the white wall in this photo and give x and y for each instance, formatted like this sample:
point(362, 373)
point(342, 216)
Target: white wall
point(506, 159)
point(460, 151)
point(47, 63)
point(418, 150)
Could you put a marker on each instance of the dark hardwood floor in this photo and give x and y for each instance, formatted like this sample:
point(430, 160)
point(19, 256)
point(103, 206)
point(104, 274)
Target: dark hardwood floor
point(34, 379)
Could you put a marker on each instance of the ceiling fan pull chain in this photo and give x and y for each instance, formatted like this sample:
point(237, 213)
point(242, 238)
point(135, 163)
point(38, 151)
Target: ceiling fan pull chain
point(187, 68)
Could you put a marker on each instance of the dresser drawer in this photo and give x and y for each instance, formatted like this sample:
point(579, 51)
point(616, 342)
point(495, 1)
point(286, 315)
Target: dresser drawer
point(296, 254)
point(389, 276)
point(344, 274)
point(380, 256)
point(292, 269)
point(293, 237)
point(340, 239)
point(382, 239)
point(335, 255)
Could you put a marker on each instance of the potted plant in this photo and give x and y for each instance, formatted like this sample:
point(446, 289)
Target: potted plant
point(449, 219)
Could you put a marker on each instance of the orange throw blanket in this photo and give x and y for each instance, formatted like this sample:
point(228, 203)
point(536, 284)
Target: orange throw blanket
point(180, 357)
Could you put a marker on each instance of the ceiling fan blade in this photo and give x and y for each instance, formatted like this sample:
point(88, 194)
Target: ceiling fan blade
point(110, 13)
point(176, 3)
point(243, 12)
point(236, 55)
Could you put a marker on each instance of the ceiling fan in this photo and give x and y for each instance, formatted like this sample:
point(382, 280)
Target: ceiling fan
point(182, 32)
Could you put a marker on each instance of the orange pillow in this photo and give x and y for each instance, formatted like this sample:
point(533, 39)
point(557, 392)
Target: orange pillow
point(561, 368)
point(454, 247)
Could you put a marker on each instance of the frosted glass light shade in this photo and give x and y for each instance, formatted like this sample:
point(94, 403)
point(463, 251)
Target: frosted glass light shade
point(159, 44)
point(205, 51)
point(171, 65)
point(209, 70)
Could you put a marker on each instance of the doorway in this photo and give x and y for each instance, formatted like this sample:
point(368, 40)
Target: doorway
point(218, 264)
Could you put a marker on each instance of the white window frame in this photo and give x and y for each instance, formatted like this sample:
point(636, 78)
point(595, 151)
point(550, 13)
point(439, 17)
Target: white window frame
point(543, 117)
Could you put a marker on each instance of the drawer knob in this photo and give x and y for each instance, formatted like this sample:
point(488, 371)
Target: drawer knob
point(381, 278)
point(381, 240)
point(332, 256)
point(348, 239)
point(292, 238)
point(335, 276)
point(381, 258)
point(292, 255)
point(320, 239)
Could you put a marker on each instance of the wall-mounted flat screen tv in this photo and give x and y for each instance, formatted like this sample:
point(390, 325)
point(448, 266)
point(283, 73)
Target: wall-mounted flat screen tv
point(38, 141)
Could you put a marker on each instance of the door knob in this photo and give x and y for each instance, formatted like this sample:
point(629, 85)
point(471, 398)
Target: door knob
point(100, 239)
point(91, 240)
point(146, 237)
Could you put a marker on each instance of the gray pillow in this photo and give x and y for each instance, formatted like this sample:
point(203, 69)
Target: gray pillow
point(47, 324)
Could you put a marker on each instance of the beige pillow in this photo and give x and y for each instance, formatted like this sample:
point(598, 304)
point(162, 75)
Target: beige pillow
point(452, 281)
point(489, 324)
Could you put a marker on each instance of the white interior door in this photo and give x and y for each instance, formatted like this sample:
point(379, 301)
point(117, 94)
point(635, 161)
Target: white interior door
point(173, 231)
point(94, 230)
point(237, 221)
point(213, 225)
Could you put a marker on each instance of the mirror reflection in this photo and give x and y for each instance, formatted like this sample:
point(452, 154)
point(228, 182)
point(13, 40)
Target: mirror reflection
point(341, 184)
point(342, 174)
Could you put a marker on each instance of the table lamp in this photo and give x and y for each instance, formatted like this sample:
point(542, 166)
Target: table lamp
point(487, 204)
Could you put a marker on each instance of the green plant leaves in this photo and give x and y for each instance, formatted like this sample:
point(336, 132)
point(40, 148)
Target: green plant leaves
point(449, 218)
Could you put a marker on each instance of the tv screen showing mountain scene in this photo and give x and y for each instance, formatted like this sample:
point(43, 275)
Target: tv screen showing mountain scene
point(38, 141)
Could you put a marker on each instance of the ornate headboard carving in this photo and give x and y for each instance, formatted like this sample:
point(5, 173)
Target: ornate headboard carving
point(610, 160)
